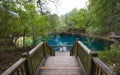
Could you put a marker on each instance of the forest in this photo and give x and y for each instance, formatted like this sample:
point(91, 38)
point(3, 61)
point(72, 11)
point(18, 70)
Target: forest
point(32, 19)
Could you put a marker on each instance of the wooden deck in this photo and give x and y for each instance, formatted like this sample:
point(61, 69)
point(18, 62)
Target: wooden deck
point(61, 64)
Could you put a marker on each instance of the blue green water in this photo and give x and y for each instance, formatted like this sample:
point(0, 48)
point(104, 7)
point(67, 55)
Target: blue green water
point(91, 43)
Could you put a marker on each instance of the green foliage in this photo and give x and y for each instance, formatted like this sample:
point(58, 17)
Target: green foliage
point(101, 16)
point(69, 18)
point(81, 19)
point(111, 57)
point(106, 55)
point(57, 24)
point(107, 14)
point(78, 19)
point(20, 18)
point(61, 26)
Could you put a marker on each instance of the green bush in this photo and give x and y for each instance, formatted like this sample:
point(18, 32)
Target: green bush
point(111, 57)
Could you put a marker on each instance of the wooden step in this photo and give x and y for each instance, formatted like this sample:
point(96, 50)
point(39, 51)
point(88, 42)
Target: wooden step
point(60, 72)
point(58, 68)
point(61, 64)
point(62, 53)
point(61, 61)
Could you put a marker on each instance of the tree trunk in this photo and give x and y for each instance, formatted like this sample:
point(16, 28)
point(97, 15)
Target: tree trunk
point(24, 33)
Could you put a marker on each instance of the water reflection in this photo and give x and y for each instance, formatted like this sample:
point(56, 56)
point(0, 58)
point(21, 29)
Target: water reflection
point(64, 42)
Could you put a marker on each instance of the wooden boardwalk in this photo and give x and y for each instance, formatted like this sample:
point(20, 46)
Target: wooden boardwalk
point(61, 64)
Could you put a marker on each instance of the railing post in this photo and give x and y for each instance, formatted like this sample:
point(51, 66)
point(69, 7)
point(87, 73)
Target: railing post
point(28, 64)
point(44, 48)
point(51, 52)
point(77, 39)
point(93, 54)
point(71, 51)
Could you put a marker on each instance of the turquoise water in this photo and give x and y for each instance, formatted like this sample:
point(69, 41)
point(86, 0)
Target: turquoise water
point(64, 40)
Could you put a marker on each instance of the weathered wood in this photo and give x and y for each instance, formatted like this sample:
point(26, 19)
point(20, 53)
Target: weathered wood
point(101, 66)
point(44, 46)
point(34, 50)
point(90, 61)
point(30, 61)
point(28, 64)
point(73, 50)
point(84, 47)
point(13, 68)
point(85, 56)
point(61, 64)
point(50, 50)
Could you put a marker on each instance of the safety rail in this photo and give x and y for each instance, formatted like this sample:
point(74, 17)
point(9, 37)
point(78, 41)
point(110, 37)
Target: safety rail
point(100, 68)
point(50, 50)
point(29, 63)
point(90, 61)
point(19, 68)
point(73, 50)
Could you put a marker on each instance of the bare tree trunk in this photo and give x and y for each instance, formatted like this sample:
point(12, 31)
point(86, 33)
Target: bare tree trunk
point(34, 37)
point(24, 33)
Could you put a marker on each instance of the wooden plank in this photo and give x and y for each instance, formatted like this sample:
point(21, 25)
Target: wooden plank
point(60, 72)
point(62, 53)
point(61, 64)
point(59, 68)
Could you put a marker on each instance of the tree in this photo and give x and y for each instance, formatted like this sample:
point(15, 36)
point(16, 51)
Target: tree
point(107, 14)
point(43, 5)
point(78, 19)
point(20, 18)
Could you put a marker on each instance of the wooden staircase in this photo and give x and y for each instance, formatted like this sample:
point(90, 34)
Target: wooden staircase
point(43, 60)
point(61, 64)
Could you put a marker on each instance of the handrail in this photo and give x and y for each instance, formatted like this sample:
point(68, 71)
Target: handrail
point(52, 51)
point(29, 63)
point(101, 68)
point(73, 50)
point(84, 47)
point(90, 61)
point(17, 65)
point(34, 50)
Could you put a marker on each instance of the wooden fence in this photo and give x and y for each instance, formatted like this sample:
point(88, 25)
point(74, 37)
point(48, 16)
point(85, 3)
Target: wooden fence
point(29, 63)
point(90, 60)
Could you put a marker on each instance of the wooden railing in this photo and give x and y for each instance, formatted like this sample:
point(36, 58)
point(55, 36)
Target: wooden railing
point(90, 61)
point(29, 63)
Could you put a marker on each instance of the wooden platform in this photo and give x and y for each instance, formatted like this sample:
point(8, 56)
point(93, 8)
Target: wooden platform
point(61, 64)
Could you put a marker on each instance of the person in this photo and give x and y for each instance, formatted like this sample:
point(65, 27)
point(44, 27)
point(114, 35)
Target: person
point(63, 47)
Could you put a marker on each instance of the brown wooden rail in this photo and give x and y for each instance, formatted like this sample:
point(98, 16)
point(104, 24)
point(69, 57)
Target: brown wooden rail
point(90, 61)
point(29, 63)
point(100, 68)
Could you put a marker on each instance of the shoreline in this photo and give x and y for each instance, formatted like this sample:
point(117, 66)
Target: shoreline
point(86, 35)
